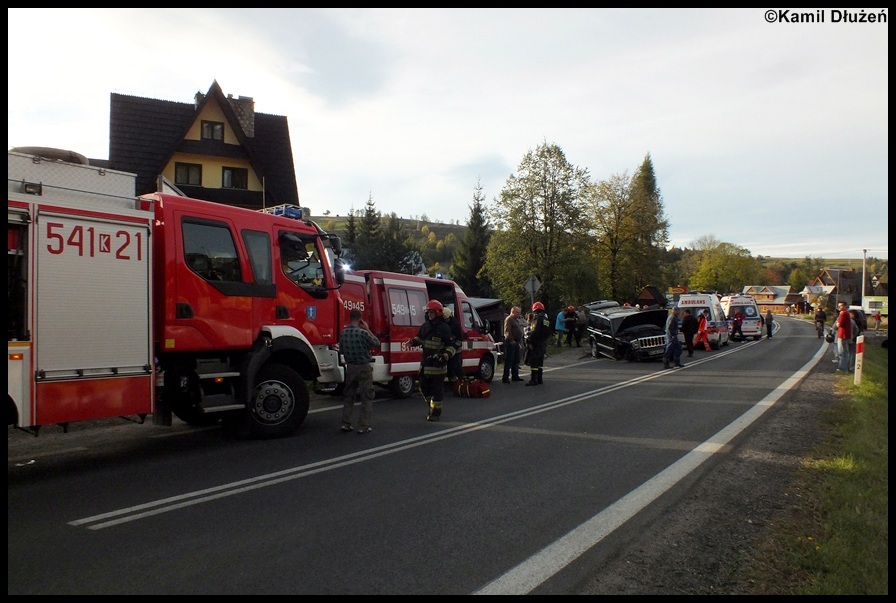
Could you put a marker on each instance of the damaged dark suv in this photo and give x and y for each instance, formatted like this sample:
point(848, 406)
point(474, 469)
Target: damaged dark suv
point(626, 332)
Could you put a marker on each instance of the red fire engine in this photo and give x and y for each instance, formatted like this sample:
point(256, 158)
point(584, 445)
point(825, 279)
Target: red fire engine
point(129, 306)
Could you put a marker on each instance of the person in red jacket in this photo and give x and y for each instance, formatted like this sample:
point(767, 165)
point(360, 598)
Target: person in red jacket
point(702, 336)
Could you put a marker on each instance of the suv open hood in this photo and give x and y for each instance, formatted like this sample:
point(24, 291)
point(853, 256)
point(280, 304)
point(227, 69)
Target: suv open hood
point(627, 320)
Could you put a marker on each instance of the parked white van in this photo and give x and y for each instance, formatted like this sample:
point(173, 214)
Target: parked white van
point(717, 325)
point(746, 305)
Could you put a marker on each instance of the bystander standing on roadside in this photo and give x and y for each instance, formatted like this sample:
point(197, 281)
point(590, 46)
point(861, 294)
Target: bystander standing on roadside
point(820, 319)
point(514, 336)
point(769, 322)
point(524, 325)
point(560, 326)
point(688, 329)
point(844, 337)
point(672, 352)
point(877, 320)
point(581, 324)
point(569, 317)
point(355, 343)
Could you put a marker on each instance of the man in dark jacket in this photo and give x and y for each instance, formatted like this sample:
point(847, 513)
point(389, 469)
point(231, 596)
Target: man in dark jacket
point(539, 333)
point(513, 341)
point(821, 318)
point(688, 330)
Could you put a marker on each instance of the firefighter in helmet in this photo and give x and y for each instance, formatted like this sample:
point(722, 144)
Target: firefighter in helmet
point(537, 343)
point(438, 347)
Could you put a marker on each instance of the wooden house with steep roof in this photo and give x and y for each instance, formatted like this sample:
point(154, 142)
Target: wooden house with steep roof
point(844, 285)
point(774, 298)
point(216, 148)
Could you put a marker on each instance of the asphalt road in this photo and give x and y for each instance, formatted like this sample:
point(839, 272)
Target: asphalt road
point(533, 490)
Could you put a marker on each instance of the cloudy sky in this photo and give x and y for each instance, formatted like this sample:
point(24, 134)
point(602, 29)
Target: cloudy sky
point(768, 135)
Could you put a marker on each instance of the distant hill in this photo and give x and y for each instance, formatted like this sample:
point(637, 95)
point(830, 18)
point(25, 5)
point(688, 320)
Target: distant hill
point(336, 224)
point(839, 263)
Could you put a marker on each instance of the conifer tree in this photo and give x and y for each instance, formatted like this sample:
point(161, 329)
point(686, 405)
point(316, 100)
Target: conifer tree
point(469, 256)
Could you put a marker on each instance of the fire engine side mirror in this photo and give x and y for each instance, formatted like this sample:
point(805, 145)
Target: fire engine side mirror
point(336, 244)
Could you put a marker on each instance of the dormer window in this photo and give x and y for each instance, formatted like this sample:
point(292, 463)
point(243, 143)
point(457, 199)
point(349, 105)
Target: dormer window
point(212, 130)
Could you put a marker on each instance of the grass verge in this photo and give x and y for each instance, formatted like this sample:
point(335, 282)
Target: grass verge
point(834, 540)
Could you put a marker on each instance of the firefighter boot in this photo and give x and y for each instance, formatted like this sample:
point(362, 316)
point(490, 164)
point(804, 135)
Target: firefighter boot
point(534, 378)
point(540, 380)
point(435, 411)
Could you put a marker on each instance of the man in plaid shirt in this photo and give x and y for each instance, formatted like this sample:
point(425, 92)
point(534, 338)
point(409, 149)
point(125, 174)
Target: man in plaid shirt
point(355, 343)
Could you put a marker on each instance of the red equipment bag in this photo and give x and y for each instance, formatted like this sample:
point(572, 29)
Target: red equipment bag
point(471, 388)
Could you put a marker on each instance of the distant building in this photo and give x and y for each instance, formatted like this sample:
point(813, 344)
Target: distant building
point(773, 297)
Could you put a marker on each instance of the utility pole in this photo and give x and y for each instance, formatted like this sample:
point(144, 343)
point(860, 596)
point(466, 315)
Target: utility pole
point(862, 294)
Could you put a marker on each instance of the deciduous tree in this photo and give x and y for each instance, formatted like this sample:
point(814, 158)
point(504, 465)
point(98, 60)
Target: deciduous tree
point(539, 215)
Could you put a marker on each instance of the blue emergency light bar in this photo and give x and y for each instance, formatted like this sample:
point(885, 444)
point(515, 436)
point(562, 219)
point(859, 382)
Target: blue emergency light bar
point(289, 210)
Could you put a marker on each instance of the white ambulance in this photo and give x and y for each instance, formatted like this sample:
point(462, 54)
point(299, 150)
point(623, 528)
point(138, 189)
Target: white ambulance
point(751, 325)
point(716, 325)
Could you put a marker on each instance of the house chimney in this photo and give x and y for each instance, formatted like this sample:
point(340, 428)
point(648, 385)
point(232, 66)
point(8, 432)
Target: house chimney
point(197, 100)
point(244, 108)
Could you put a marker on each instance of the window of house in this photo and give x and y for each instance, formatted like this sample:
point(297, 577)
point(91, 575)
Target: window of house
point(188, 173)
point(212, 130)
point(232, 177)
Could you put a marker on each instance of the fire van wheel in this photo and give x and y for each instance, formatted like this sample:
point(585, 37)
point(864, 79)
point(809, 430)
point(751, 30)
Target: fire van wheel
point(486, 370)
point(402, 386)
point(279, 404)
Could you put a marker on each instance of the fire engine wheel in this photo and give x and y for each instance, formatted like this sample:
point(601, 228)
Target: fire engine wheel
point(486, 370)
point(279, 404)
point(402, 386)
